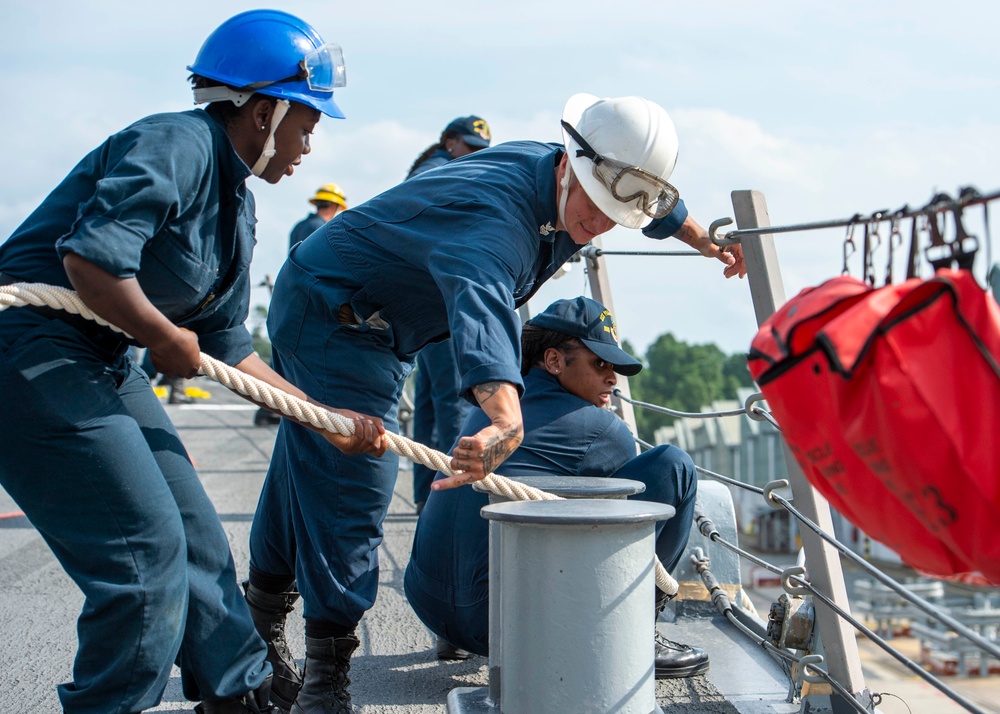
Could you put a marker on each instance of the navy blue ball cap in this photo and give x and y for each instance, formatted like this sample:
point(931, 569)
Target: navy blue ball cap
point(473, 130)
point(591, 323)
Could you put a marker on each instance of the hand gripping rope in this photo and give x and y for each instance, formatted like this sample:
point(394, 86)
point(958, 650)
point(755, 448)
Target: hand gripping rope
point(41, 295)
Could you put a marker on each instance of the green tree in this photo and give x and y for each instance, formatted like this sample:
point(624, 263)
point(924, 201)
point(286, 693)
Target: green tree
point(683, 377)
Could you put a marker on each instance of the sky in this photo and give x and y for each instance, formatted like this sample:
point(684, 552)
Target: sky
point(829, 109)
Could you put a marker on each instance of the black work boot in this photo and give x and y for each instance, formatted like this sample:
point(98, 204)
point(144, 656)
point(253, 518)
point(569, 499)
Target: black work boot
point(449, 651)
point(268, 612)
point(324, 686)
point(672, 659)
point(255, 702)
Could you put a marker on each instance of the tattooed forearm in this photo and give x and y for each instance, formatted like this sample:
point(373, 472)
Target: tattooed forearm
point(690, 233)
point(500, 447)
point(484, 391)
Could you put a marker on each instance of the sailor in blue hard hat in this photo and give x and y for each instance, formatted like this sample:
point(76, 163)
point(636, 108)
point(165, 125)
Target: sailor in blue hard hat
point(155, 230)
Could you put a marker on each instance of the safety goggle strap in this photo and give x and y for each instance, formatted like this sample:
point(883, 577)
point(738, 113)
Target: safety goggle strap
point(323, 70)
point(627, 183)
point(586, 150)
point(221, 93)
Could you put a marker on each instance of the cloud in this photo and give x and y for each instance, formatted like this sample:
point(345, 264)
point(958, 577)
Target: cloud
point(827, 110)
point(741, 147)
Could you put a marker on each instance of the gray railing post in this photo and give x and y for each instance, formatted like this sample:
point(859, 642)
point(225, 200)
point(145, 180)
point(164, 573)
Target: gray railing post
point(825, 573)
point(600, 289)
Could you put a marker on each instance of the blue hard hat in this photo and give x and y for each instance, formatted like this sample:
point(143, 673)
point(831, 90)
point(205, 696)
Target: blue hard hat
point(273, 53)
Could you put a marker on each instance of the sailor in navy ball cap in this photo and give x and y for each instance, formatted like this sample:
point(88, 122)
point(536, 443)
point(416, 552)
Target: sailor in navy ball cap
point(439, 409)
point(474, 131)
point(570, 360)
point(593, 325)
point(462, 136)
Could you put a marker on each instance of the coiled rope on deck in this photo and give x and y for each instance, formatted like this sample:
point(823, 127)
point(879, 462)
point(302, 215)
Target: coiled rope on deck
point(42, 295)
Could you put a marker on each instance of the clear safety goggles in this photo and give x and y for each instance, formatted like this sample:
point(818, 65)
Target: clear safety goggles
point(654, 196)
point(322, 69)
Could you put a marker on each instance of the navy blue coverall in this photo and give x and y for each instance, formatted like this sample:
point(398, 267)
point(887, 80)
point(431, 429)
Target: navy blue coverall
point(439, 158)
point(86, 449)
point(447, 578)
point(439, 410)
point(302, 229)
point(454, 250)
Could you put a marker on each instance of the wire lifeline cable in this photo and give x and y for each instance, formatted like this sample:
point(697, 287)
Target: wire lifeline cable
point(922, 604)
point(749, 409)
point(707, 529)
point(721, 600)
point(761, 414)
point(42, 295)
point(968, 196)
point(885, 646)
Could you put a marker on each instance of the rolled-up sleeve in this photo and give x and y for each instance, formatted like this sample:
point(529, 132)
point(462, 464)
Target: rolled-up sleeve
point(665, 227)
point(231, 345)
point(152, 170)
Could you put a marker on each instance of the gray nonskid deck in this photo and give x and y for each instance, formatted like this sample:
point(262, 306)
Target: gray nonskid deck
point(395, 669)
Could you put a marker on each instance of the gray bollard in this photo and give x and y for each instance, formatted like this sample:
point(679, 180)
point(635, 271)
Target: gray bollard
point(577, 486)
point(577, 597)
point(564, 487)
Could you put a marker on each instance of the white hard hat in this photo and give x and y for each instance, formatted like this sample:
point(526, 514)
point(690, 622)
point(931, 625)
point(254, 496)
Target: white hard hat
point(632, 130)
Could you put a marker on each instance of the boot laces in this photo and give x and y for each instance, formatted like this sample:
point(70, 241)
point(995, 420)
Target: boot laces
point(662, 641)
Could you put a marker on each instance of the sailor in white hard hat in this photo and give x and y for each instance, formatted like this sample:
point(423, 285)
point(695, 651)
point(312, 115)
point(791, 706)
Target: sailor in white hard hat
point(623, 151)
point(450, 252)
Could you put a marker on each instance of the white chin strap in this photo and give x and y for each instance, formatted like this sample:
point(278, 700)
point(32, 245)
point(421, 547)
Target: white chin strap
point(280, 109)
point(564, 185)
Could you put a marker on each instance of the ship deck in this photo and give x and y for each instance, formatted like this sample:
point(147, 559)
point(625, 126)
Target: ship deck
point(395, 669)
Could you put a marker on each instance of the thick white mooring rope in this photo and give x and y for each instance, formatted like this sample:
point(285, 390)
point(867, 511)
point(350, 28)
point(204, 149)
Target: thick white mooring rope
point(41, 295)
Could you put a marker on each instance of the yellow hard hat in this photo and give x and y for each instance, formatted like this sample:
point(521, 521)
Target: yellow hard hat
point(329, 193)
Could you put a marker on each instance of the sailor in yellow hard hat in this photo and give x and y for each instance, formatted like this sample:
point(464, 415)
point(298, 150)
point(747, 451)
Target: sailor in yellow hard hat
point(329, 201)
